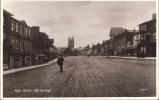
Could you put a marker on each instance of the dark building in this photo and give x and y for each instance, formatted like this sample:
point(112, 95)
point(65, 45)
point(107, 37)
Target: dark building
point(71, 42)
point(17, 42)
point(44, 38)
point(123, 43)
point(46, 43)
point(52, 50)
point(41, 45)
point(23, 45)
point(147, 31)
point(113, 33)
point(107, 48)
point(7, 63)
point(36, 45)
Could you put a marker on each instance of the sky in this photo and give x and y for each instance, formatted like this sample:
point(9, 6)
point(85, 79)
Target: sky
point(88, 21)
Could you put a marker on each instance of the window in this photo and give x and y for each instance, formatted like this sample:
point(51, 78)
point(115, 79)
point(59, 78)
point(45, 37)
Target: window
point(29, 33)
point(143, 27)
point(17, 27)
point(21, 30)
point(142, 37)
point(20, 46)
point(13, 43)
point(12, 25)
point(4, 20)
point(26, 32)
point(17, 44)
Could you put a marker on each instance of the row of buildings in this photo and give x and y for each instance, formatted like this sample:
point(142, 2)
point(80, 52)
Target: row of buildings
point(24, 45)
point(123, 42)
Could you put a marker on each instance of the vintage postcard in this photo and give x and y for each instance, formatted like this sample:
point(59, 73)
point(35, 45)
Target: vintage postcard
point(86, 49)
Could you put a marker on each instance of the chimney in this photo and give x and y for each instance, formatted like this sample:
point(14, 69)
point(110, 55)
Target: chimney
point(153, 16)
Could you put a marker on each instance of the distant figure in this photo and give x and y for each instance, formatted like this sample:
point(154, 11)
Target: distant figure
point(60, 61)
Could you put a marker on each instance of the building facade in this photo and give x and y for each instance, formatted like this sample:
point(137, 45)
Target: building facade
point(41, 45)
point(147, 31)
point(123, 43)
point(17, 42)
point(114, 31)
point(23, 45)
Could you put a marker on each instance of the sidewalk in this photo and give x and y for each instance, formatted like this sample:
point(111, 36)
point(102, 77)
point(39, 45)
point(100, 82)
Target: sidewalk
point(27, 67)
point(137, 58)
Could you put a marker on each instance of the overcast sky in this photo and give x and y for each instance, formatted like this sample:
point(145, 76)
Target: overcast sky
point(88, 21)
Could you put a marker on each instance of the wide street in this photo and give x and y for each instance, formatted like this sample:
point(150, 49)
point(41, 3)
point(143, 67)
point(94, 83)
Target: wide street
point(85, 77)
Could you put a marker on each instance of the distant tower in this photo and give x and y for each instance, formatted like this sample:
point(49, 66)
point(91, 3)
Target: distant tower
point(71, 42)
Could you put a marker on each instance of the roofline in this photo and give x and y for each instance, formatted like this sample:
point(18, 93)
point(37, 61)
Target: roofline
point(115, 27)
point(10, 14)
point(23, 22)
point(126, 32)
point(147, 22)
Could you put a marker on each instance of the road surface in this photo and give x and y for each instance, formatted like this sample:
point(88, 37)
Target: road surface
point(85, 77)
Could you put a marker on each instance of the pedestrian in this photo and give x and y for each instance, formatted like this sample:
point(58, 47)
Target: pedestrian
point(60, 61)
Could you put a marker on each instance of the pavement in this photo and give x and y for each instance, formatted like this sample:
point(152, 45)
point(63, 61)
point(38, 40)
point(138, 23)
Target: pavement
point(10, 71)
point(94, 76)
point(137, 58)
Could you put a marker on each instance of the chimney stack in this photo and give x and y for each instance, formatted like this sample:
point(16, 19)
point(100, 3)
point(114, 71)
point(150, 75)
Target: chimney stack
point(153, 16)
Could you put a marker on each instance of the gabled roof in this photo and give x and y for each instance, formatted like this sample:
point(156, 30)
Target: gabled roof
point(116, 31)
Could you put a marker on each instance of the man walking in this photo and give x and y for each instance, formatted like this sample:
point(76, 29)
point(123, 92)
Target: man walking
point(60, 61)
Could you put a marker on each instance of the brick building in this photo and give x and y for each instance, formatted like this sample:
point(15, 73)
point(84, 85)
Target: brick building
point(23, 45)
point(16, 42)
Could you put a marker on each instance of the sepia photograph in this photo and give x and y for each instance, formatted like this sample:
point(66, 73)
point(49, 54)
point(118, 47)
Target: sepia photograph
point(79, 49)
